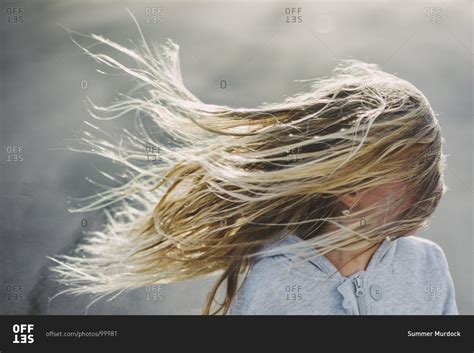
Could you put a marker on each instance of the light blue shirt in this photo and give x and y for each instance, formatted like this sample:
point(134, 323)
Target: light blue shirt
point(406, 276)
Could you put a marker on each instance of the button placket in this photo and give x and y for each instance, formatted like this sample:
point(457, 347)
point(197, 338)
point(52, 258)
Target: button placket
point(349, 302)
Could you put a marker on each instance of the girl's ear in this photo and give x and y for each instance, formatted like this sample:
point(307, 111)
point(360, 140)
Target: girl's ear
point(348, 199)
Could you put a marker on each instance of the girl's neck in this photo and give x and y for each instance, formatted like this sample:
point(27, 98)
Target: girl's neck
point(349, 262)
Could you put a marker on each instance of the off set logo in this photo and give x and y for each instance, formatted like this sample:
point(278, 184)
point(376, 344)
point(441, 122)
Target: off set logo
point(23, 333)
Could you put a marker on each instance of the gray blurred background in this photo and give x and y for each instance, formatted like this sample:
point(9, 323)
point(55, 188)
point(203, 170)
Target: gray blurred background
point(259, 52)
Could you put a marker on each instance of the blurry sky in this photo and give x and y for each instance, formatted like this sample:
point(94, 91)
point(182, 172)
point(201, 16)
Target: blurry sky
point(259, 52)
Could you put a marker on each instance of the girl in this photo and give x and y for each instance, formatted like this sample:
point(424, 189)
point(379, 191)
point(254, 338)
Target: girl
point(302, 207)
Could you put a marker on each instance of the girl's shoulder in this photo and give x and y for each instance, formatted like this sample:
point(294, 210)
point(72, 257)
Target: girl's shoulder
point(264, 288)
point(416, 252)
point(415, 245)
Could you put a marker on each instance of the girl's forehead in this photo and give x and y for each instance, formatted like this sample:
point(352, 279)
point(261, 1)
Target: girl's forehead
point(400, 186)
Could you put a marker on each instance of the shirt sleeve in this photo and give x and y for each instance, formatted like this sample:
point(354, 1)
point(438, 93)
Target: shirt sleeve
point(449, 304)
point(450, 307)
point(261, 291)
point(238, 307)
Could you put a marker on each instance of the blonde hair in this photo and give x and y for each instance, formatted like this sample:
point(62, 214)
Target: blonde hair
point(228, 181)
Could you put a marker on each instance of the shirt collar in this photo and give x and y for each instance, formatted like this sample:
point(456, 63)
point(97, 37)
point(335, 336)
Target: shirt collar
point(381, 258)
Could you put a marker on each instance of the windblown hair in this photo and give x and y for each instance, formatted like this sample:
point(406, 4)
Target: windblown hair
point(228, 181)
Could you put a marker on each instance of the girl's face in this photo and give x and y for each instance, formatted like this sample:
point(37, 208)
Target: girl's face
point(387, 196)
point(394, 198)
point(381, 195)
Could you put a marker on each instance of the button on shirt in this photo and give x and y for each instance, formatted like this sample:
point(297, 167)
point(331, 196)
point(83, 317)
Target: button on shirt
point(406, 276)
